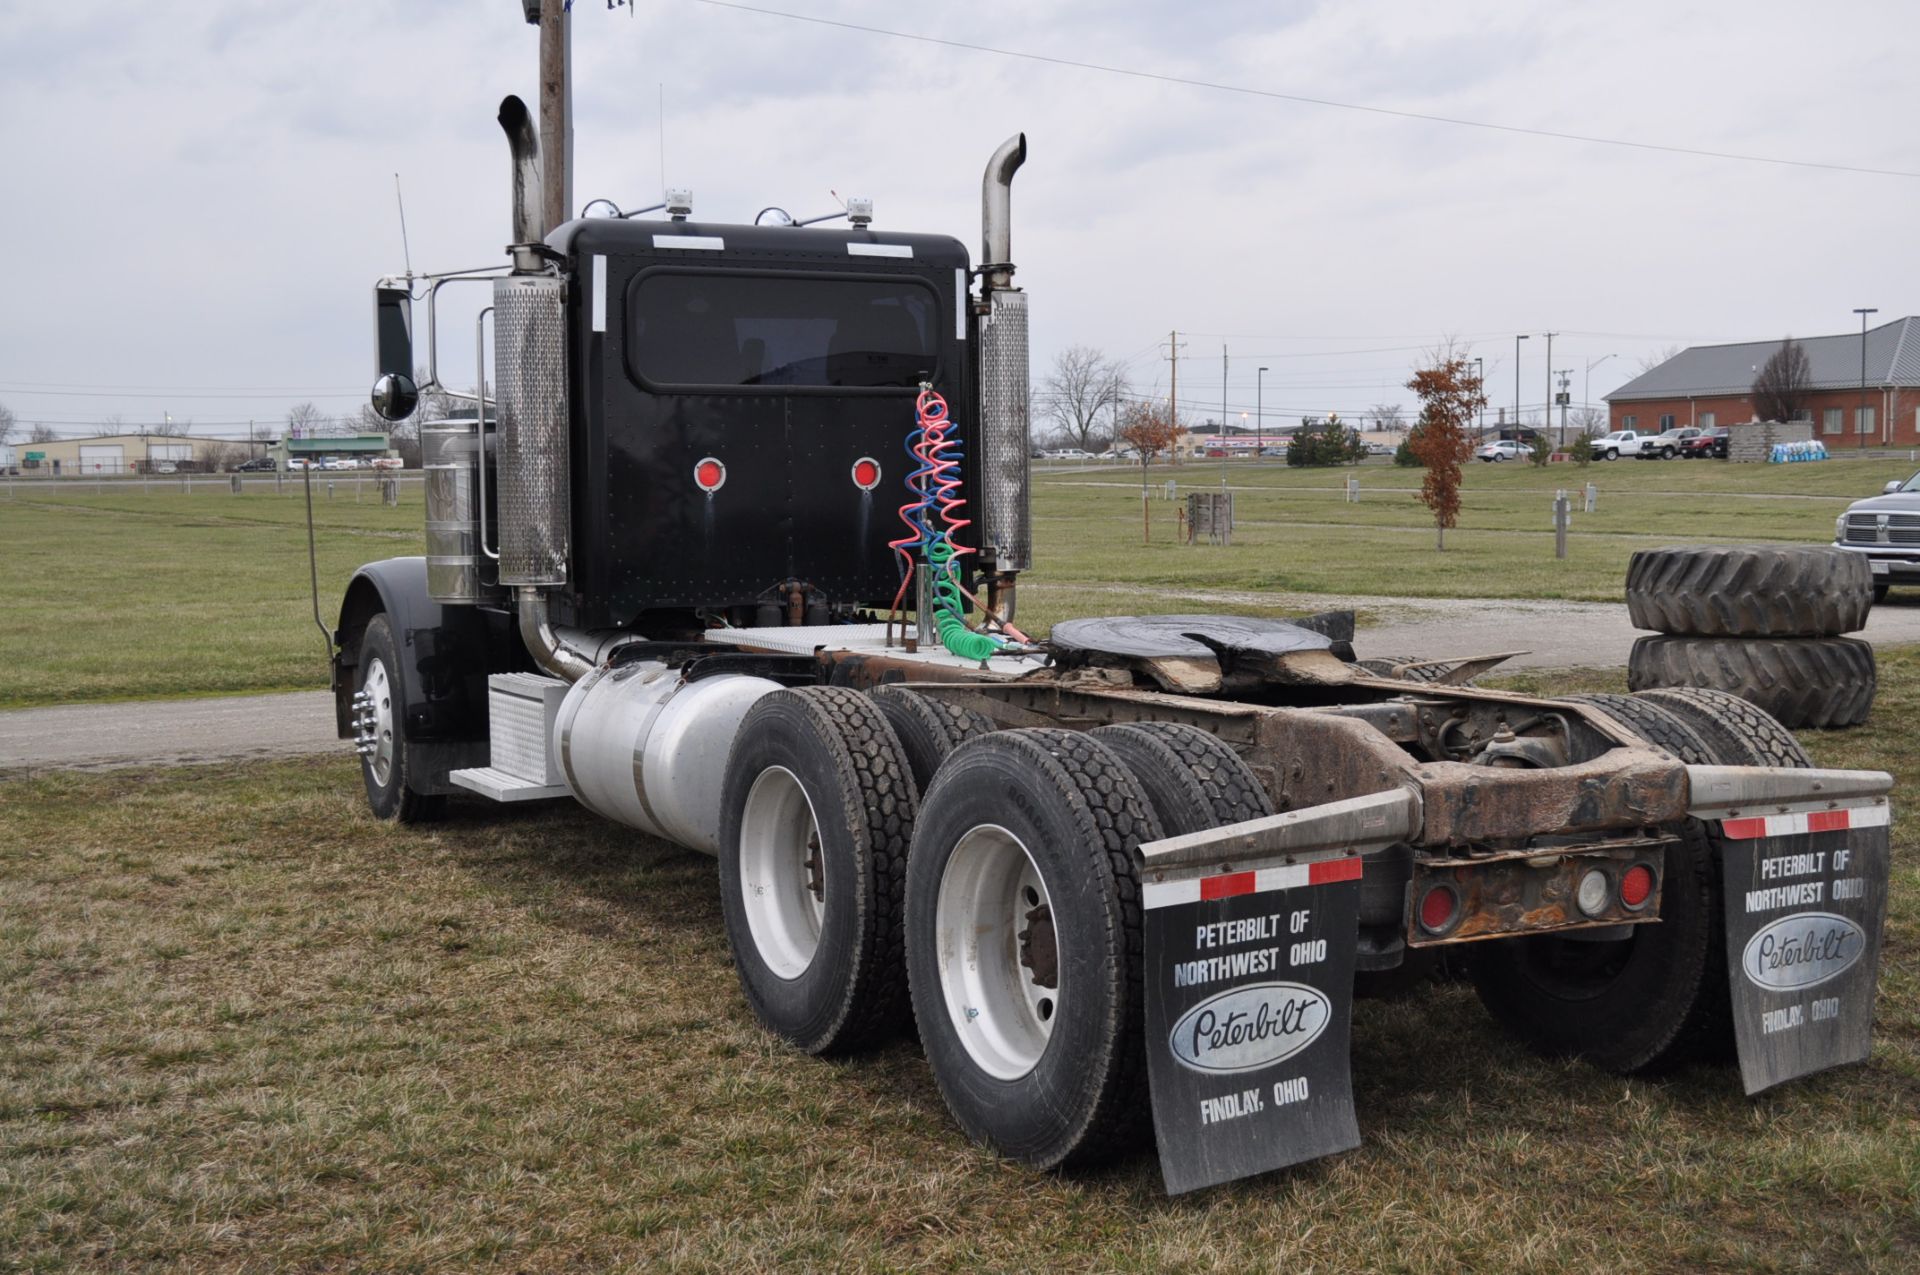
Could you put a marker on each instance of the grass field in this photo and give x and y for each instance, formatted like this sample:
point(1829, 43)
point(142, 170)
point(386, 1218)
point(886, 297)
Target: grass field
point(243, 1027)
point(123, 593)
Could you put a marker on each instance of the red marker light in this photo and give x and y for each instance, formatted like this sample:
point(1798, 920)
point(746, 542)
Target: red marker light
point(1636, 886)
point(709, 475)
point(1437, 907)
point(866, 473)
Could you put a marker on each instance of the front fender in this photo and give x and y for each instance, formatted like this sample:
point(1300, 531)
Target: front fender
point(446, 651)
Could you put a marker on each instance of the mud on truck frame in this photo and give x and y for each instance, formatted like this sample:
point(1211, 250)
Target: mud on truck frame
point(729, 555)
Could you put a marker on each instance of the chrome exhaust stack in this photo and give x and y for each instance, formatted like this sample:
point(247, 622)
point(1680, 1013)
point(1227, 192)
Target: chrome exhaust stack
point(530, 369)
point(1006, 430)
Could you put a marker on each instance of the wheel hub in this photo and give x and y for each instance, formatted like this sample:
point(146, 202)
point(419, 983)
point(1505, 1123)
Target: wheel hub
point(373, 721)
point(999, 952)
point(783, 884)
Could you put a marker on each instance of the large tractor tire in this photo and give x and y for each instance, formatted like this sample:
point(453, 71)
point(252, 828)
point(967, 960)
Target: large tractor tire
point(1193, 780)
point(381, 698)
point(929, 728)
point(1025, 947)
point(1753, 591)
point(817, 812)
point(1656, 999)
point(1802, 682)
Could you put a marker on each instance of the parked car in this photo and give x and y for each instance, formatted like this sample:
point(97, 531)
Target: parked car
point(1885, 529)
point(1504, 449)
point(386, 462)
point(1709, 444)
point(166, 467)
point(301, 462)
point(1379, 449)
point(1621, 442)
point(258, 465)
point(1666, 446)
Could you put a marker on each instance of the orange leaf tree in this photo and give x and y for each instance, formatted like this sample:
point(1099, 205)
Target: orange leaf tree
point(1450, 394)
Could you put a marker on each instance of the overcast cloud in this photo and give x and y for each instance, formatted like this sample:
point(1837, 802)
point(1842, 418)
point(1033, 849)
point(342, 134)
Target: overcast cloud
point(202, 194)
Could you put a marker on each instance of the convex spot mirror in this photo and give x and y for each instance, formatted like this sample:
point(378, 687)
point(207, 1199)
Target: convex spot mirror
point(395, 396)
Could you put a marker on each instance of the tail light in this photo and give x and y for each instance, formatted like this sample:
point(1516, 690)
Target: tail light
point(866, 473)
point(709, 475)
point(1439, 908)
point(1636, 886)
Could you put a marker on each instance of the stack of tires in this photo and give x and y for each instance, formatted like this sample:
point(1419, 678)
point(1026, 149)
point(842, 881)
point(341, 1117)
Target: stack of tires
point(1762, 622)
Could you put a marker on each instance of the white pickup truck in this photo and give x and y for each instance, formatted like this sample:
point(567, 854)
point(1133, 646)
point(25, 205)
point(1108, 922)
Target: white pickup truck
point(1622, 442)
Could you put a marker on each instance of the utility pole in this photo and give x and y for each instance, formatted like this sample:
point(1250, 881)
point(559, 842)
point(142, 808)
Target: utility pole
point(1566, 376)
point(556, 109)
point(1860, 417)
point(1480, 388)
point(1546, 408)
point(1516, 382)
point(1259, 413)
point(1223, 411)
point(1174, 346)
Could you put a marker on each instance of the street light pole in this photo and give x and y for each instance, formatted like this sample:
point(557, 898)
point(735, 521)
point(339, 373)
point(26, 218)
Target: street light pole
point(1546, 408)
point(1480, 387)
point(1860, 418)
point(1586, 390)
point(1259, 414)
point(1516, 383)
point(1566, 376)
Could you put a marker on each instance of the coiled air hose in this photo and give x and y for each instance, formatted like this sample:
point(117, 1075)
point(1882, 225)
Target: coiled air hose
point(932, 518)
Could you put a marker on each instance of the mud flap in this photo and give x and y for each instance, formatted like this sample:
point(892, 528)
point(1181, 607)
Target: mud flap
point(1248, 1014)
point(1806, 898)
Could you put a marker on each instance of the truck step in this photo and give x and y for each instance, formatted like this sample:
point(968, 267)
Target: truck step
point(498, 785)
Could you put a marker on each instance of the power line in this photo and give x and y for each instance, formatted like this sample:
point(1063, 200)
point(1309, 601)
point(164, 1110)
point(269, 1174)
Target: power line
point(1247, 91)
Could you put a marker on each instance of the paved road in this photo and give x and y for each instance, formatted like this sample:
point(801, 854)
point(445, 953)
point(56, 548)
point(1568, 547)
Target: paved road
point(172, 732)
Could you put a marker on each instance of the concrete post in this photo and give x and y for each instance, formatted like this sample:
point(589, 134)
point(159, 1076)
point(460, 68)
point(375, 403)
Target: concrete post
point(1562, 515)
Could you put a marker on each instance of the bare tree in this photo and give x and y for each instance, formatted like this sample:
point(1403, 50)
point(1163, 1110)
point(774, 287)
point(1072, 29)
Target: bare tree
point(114, 424)
point(1590, 420)
point(220, 454)
point(1386, 418)
point(1084, 384)
point(304, 420)
point(171, 427)
point(8, 422)
point(1648, 362)
point(42, 433)
point(1780, 389)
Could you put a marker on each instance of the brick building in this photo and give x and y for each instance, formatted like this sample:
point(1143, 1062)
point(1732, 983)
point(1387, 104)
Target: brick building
point(1709, 385)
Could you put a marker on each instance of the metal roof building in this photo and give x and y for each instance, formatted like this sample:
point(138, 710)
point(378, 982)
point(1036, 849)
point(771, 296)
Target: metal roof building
point(1707, 385)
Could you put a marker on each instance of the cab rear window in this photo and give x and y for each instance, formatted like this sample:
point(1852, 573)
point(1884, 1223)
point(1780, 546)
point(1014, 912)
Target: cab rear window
point(691, 329)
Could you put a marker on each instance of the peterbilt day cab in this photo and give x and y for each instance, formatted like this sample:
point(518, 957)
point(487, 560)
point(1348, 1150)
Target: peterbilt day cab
point(727, 551)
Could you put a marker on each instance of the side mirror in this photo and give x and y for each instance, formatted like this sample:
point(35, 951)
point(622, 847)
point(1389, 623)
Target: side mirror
point(395, 396)
point(392, 331)
point(1892, 487)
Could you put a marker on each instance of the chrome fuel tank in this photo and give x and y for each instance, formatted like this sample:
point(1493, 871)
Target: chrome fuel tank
point(645, 748)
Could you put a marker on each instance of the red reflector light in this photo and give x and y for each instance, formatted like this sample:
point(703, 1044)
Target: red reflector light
point(866, 473)
point(1437, 907)
point(1636, 886)
point(709, 474)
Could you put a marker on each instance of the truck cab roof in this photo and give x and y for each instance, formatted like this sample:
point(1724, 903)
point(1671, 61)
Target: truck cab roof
point(698, 240)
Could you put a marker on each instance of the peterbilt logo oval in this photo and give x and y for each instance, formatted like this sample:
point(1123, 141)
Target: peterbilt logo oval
point(1246, 1028)
point(1802, 950)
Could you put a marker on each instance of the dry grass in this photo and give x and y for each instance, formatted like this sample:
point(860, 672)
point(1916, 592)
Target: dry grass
point(245, 1027)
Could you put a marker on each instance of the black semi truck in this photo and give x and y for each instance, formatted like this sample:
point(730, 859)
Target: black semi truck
point(728, 553)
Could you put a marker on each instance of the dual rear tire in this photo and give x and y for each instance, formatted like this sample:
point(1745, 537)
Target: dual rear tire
point(1011, 924)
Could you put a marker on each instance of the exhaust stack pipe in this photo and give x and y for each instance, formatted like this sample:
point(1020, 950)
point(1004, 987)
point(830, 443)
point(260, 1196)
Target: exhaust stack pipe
point(996, 212)
point(523, 141)
point(1006, 537)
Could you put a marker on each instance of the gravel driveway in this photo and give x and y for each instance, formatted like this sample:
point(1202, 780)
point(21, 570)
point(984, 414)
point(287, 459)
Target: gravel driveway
point(179, 732)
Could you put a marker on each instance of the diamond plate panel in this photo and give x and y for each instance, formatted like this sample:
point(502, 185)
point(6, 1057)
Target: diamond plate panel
point(1005, 432)
point(530, 366)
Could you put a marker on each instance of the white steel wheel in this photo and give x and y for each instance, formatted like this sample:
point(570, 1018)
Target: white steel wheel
point(782, 877)
point(998, 952)
point(376, 733)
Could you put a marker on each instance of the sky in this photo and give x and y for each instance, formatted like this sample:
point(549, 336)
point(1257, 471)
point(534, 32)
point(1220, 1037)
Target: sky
point(203, 194)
